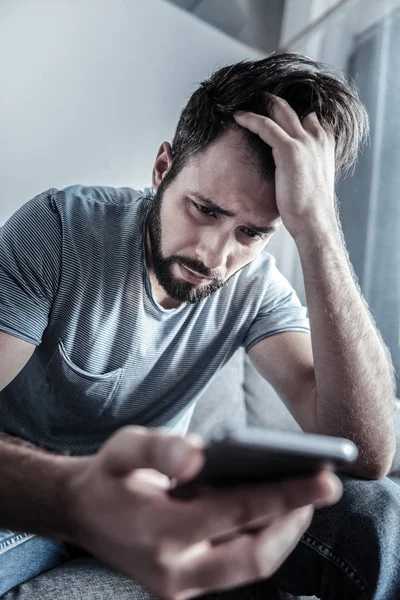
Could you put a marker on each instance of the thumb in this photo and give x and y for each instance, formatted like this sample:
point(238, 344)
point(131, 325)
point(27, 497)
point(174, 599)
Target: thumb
point(135, 447)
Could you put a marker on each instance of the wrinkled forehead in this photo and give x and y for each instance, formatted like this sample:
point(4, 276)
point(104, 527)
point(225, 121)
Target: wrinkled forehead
point(227, 171)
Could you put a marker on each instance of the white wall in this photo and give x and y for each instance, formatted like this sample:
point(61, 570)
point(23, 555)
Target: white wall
point(298, 14)
point(332, 41)
point(90, 88)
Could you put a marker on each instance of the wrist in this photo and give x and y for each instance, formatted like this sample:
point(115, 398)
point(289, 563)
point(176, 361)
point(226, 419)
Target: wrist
point(319, 232)
point(322, 251)
point(71, 474)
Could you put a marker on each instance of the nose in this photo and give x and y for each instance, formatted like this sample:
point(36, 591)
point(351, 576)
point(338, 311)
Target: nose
point(213, 251)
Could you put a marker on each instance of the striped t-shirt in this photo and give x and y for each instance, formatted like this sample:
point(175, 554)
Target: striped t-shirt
point(74, 282)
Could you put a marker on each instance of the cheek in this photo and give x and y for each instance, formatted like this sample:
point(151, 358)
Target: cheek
point(178, 233)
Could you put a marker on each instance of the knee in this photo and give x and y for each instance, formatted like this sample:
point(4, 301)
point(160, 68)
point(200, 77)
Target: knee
point(368, 508)
point(373, 497)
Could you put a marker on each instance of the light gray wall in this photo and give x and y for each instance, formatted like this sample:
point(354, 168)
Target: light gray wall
point(253, 22)
point(90, 88)
point(370, 208)
point(362, 38)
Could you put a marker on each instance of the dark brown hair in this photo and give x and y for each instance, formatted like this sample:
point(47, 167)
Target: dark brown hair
point(307, 86)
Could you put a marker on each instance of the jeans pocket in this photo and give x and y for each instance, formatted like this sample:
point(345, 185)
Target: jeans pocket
point(11, 539)
point(25, 555)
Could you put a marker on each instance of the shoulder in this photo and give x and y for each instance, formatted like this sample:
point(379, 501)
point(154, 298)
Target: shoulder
point(36, 218)
point(256, 277)
point(261, 268)
point(98, 208)
point(261, 286)
point(76, 196)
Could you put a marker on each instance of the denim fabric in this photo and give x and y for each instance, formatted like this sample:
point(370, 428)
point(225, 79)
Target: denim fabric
point(352, 549)
point(350, 552)
point(24, 555)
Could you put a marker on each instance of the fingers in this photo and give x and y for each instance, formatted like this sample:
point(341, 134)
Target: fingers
point(269, 131)
point(283, 123)
point(244, 559)
point(312, 126)
point(136, 447)
point(231, 510)
point(311, 122)
point(287, 118)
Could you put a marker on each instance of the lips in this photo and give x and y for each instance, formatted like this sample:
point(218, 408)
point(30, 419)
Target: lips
point(191, 276)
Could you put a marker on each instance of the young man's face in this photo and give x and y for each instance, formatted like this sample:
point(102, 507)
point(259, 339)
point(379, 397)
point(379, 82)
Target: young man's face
point(192, 248)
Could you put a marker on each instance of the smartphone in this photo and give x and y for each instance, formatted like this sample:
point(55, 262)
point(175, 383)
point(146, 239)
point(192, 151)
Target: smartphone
point(253, 455)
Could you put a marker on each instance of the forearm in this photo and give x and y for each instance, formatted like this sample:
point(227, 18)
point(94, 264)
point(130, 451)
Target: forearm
point(353, 369)
point(33, 489)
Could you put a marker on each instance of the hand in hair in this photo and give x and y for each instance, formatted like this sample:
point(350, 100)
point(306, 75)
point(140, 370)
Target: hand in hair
point(304, 155)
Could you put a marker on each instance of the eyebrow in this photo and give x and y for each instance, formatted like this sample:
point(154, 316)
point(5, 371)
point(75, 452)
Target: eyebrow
point(228, 213)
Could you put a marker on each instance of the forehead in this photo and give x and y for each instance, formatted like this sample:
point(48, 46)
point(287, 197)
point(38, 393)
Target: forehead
point(226, 172)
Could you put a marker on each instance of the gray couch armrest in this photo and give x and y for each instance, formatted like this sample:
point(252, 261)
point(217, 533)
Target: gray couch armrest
point(79, 579)
point(89, 579)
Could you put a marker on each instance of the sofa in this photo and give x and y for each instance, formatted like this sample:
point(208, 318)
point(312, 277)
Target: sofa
point(238, 395)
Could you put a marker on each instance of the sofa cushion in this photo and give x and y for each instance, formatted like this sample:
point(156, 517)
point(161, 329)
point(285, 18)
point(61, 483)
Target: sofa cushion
point(222, 402)
point(263, 406)
point(79, 579)
point(90, 579)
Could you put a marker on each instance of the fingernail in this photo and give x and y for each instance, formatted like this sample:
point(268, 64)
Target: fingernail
point(177, 455)
point(334, 490)
point(306, 514)
point(239, 113)
point(336, 486)
point(195, 440)
point(191, 466)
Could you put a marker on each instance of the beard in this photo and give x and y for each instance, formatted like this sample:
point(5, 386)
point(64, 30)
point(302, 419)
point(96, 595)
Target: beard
point(177, 289)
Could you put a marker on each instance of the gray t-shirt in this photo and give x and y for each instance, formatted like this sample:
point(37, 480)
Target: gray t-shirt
point(74, 282)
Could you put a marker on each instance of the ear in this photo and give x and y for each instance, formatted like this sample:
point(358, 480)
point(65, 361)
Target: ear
point(162, 163)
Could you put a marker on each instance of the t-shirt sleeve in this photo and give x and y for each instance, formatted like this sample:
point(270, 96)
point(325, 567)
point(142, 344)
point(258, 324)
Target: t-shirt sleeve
point(30, 259)
point(280, 310)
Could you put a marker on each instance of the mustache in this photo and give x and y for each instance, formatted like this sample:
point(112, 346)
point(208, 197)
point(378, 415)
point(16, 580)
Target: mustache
point(197, 266)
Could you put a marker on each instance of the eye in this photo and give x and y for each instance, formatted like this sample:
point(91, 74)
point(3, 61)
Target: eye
point(254, 235)
point(204, 210)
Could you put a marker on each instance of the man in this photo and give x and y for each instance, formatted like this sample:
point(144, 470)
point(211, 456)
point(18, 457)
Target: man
point(117, 307)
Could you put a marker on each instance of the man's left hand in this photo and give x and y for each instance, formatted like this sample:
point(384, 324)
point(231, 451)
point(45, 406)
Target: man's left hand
point(304, 155)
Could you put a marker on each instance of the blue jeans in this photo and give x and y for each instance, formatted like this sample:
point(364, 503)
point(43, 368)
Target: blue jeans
point(24, 555)
point(351, 551)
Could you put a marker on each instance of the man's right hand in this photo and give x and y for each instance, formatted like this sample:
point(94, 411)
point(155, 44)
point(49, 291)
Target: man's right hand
point(122, 513)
